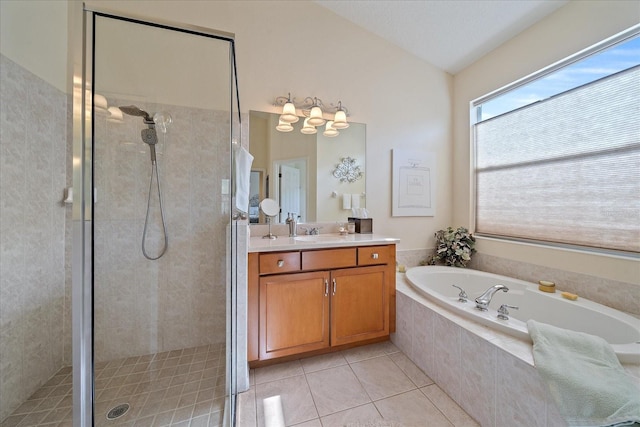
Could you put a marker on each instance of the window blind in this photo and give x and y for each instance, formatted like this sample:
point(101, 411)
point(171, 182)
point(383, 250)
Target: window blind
point(566, 169)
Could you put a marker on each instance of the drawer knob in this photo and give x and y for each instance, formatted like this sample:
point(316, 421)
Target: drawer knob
point(280, 263)
point(374, 255)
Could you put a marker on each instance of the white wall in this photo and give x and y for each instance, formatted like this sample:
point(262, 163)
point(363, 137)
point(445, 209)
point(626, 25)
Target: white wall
point(572, 28)
point(302, 48)
point(33, 34)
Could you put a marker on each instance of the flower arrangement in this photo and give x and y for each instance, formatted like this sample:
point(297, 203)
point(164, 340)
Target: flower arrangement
point(453, 247)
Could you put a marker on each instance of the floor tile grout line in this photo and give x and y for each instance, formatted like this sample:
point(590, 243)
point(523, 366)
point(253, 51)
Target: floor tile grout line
point(315, 405)
point(435, 404)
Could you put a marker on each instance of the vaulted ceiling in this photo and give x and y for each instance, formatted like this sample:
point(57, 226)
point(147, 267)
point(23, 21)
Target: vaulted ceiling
point(450, 34)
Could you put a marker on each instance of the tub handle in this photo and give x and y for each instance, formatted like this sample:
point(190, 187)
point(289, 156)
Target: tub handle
point(503, 313)
point(462, 296)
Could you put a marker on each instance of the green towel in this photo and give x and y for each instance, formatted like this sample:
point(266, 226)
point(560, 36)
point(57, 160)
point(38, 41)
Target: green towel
point(584, 377)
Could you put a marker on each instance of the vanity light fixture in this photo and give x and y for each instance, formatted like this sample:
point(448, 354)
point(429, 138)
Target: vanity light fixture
point(308, 129)
point(288, 112)
point(315, 115)
point(340, 119)
point(284, 126)
point(313, 109)
point(100, 103)
point(115, 115)
point(330, 131)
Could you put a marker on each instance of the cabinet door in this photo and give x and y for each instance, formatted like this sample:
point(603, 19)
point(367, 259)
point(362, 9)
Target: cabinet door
point(294, 314)
point(359, 304)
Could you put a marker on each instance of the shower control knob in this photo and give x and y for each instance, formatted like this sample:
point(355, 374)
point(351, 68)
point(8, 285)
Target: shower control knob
point(503, 313)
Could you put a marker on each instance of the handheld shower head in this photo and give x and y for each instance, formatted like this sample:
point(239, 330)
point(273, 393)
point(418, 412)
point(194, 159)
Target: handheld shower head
point(149, 135)
point(132, 110)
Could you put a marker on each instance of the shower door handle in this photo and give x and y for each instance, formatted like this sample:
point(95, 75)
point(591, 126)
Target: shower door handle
point(239, 215)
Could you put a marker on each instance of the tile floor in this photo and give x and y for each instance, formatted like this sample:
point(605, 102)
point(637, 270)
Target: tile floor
point(178, 388)
point(357, 385)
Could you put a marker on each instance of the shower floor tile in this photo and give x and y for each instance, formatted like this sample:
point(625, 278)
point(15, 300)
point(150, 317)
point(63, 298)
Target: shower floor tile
point(180, 387)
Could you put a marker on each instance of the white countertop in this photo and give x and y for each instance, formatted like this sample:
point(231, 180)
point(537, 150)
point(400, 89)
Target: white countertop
point(284, 243)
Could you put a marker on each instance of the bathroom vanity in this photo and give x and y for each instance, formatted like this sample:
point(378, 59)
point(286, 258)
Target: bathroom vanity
point(316, 294)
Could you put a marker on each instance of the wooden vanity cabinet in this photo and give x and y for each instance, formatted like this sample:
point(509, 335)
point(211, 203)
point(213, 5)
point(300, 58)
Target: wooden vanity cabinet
point(313, 300)
point(359, 304)
point(294, 314)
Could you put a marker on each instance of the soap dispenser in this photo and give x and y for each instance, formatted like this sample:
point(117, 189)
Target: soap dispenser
point(293, 224)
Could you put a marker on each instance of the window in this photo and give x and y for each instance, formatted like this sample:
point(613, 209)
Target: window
point(557, 155)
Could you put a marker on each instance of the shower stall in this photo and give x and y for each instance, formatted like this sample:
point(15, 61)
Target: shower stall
point(153, 250)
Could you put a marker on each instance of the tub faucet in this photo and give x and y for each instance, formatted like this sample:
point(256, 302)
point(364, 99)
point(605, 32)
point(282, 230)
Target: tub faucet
point(482, 302)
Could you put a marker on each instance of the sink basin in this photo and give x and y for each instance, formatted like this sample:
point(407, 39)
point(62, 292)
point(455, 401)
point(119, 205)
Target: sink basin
point(321, 238)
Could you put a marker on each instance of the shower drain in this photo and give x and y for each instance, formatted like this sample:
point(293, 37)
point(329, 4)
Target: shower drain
point(118, 411)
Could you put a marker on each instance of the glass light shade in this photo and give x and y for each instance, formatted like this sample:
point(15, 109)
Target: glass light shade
point(115, 115)
point(308, 129)
point(340, 120)
point(315, 117)
point(329, 130)
point(100, 102)
point(283, 126)
point(289, 113)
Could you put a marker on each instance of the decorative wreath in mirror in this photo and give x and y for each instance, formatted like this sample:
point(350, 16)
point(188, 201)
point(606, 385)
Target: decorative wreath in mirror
point(348, 170)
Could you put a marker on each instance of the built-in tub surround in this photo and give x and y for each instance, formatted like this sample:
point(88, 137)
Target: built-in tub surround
point(622, 296)
point(33, 164)
point(437, 283)
point(490, 374)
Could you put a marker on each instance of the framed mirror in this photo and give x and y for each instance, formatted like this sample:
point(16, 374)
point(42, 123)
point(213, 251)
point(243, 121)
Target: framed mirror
point(305, 173)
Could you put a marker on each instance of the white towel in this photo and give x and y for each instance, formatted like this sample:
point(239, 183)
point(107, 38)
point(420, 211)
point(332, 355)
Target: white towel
point(242, 161)
point(584, 377)
point(355, 200)
point(346, 201)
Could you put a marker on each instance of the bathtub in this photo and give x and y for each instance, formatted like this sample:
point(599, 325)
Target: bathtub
point(622, 331)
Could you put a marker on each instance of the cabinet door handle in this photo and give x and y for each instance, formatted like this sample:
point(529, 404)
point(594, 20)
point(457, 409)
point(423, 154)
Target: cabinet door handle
point(280, 263)
point(326, 287)
point(374, 255)
point(334, 286)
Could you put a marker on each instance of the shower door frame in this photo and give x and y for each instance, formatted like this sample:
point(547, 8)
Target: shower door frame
point(82, 211)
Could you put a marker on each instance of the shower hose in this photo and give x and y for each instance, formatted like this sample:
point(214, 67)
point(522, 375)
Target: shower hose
point(154, 172)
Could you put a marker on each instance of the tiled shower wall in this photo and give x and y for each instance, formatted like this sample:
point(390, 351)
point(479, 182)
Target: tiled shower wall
point(177, 301)
point(33, 153)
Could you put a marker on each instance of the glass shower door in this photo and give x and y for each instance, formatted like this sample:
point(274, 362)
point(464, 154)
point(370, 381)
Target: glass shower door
point(160, 151)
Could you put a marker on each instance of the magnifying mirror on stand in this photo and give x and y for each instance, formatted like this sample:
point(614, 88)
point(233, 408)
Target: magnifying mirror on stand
point(269, 208)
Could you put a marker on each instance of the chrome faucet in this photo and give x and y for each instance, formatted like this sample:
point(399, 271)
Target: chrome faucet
point(313, 231)
point(482, 302)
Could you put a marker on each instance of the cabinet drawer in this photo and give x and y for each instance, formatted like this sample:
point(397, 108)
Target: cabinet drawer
point(280, 262)
point(373, 255)
point(328, 259)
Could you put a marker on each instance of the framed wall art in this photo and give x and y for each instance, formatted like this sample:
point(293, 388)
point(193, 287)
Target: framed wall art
point(414, 176)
